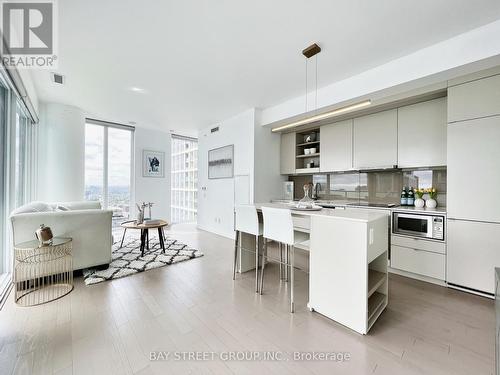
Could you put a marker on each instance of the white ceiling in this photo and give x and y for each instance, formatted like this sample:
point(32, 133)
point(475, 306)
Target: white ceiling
point(202, 61)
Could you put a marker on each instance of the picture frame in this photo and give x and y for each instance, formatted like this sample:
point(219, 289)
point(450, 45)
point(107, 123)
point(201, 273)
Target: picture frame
point(153, 163)
point(221, 162)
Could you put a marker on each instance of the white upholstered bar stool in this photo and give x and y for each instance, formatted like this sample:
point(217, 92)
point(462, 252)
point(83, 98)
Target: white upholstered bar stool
point(247, 221)
point(278, 226)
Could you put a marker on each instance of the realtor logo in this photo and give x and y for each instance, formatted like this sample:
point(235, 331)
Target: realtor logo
point(28, 30)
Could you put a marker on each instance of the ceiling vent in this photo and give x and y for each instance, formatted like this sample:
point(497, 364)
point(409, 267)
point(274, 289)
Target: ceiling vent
point(58, 78)
point(214, 130)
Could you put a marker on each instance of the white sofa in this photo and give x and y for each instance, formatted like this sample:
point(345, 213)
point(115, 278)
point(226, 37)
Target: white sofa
point(85, 222)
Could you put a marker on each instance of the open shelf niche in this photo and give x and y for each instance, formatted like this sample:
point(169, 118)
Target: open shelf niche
point(377, 289)
point(306, 142)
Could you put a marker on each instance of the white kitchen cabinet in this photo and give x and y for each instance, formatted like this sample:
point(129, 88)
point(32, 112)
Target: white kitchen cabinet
point(348, 279)
point(418, 261)
point(376, 140)
point(474, 99)
point(336, 147)
point(422, 134)
point(473, 175)
point(287, 153)
point(473, 253)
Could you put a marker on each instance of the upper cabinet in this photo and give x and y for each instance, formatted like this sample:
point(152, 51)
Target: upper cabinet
point(474, 99)
point(376, 140)
point(336, 150)
point(287, 153)
point(422, 134)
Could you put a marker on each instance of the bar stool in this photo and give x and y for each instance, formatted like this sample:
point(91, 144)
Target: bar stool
point(247, 221)
point(278, 226)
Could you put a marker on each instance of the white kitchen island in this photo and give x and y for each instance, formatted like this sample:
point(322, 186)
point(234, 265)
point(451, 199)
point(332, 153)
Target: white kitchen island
point(347, 263)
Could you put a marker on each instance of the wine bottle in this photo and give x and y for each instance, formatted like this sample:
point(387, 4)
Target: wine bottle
point(404, 197)
point(411, 197)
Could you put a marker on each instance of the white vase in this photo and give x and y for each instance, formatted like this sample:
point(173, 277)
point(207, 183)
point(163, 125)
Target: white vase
point(419, 203)
point(430, 203)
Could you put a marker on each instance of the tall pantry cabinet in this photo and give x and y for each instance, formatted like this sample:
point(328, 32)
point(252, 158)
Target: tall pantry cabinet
point(473, 157)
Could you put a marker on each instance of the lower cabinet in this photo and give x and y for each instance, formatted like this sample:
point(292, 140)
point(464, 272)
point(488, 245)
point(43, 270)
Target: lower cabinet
point(417, 261)
point(419, 256)
point(473, 254)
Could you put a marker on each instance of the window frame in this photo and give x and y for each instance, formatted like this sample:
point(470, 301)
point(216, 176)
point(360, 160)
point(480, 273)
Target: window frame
point(106, 125)
point(175, 179)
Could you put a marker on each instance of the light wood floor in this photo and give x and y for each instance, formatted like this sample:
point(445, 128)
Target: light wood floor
point(110, 328)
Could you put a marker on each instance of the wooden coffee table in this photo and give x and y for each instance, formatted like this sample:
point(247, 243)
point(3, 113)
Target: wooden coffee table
point(145, 233)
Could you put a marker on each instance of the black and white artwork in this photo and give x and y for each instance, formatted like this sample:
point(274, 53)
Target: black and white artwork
point(221, 162)
point(153, 163)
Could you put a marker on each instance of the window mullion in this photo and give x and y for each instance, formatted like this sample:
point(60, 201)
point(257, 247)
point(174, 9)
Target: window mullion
point(105, 181)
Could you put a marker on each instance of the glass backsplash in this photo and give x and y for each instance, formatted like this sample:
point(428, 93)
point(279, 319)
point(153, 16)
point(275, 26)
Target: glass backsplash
point(373, 186)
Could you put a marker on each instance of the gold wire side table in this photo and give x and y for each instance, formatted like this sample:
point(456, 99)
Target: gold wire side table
point(42, 273)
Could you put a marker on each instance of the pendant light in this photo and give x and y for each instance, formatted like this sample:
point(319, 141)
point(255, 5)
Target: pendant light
point(309, 52)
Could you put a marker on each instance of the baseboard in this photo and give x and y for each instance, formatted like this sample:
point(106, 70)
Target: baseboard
point(416, 276)
point(471, 291)
point(211, 230)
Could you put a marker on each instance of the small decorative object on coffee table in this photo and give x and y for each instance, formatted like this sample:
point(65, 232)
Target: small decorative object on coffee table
point(42, 273)
point(145, 227)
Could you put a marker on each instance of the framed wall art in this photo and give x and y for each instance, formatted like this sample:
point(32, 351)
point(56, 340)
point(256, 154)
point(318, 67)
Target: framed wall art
point(221, 162)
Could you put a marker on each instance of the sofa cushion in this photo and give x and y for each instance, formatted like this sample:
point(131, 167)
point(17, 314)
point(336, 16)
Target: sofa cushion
point(32, 207)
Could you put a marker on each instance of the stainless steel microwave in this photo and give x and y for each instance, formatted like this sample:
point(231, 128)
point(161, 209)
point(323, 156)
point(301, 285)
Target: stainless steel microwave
point(418, 225)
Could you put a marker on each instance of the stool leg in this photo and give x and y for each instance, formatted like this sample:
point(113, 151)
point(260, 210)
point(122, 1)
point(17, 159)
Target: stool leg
point(281, 260)
point(264, 252)
point(292, 256)
point(236, 240)
point(287, 253)
point(123, 237)
point(256, 264)
point(147, 239)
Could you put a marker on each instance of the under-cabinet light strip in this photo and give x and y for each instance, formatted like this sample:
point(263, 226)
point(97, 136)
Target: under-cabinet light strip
point(323, 115)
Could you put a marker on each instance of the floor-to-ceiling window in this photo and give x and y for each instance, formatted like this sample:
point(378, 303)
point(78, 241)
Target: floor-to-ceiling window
point(108, 166)
point(184, 179)
point(4, 153)
point(17, 167)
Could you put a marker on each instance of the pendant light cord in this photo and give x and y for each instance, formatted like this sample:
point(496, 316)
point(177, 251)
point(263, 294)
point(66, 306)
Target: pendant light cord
point(306, 85)
point(316, 96)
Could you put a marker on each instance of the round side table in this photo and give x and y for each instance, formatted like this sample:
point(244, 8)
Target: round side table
point(42, 273)
point(144, 228)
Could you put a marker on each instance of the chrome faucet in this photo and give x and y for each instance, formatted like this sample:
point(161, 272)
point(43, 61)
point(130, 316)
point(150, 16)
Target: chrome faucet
point(316, 189)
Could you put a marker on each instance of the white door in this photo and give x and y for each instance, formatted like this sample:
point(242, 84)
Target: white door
point(376, 140)
point(473, 253)
point(336, 147)
point(287, 153)
point(473, 169)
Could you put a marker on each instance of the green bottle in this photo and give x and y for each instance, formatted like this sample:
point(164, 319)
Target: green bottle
point(404, 197)
point(411, 197)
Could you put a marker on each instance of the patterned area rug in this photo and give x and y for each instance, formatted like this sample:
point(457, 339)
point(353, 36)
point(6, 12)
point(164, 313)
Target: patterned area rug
point(128, 261)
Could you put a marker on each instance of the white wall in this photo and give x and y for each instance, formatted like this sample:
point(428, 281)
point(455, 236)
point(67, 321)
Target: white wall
point(256, 170)
point(150, 189)
point(216, 197)
point(268, 183)
point(61, 150)
point(468, 52)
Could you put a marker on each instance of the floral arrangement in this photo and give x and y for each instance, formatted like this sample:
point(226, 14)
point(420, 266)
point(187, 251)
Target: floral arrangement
point(420, 192)
point(432, 192)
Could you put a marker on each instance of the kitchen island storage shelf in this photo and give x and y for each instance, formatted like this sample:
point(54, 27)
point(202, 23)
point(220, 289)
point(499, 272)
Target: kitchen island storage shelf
point(348, 280)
